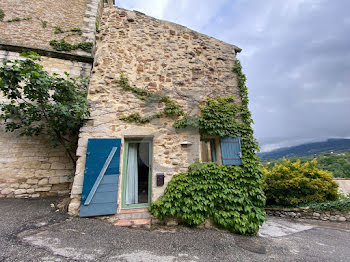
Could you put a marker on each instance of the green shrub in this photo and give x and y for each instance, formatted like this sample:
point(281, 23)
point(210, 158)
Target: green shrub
point(225, 193)
point(292, 183)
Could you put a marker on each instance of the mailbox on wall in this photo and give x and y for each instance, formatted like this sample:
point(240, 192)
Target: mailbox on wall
point(160, 179)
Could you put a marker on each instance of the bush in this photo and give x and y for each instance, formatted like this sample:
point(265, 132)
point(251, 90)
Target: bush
point(228, 194)
point(292, 183)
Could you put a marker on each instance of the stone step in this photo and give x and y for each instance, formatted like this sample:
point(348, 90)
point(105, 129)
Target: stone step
point(138, 215)
point(132, 210)
point(133, 222)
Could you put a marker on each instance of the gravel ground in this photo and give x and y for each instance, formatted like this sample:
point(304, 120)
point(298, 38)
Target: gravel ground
point(32, 230)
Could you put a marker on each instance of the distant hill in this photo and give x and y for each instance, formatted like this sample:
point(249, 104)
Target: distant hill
point(331, 145)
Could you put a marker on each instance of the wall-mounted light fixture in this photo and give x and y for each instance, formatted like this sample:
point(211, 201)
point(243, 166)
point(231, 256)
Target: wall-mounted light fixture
point(186, 143)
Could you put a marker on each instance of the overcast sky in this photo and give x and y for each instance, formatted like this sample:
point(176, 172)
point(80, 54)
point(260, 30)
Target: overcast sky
point(296, 55)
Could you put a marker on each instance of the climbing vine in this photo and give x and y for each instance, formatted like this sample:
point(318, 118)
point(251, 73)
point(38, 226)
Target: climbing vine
point(171, 109)
point(231, 195)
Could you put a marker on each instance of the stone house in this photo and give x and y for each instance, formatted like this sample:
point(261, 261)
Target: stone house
point(121, 166)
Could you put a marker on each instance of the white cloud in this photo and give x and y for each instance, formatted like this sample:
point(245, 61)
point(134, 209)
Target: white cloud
point(329, 100)
point(155, 8)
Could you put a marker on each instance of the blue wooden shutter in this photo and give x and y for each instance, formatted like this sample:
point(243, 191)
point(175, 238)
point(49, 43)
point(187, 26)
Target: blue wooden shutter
point(101, 176)
point(231, 150)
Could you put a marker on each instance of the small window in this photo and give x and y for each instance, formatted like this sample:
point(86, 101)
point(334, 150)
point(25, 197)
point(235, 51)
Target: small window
point(208, 152)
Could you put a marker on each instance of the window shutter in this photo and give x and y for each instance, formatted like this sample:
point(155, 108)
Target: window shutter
point(231, 150)
point(101, 176)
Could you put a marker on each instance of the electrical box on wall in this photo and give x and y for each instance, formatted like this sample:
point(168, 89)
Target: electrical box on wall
point(160, 179)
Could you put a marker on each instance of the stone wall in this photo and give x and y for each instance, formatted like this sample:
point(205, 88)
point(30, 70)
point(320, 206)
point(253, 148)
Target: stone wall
point(65, 14)
point(344, 185)
point(310, 213)
point(29, 166)
point(158, 56)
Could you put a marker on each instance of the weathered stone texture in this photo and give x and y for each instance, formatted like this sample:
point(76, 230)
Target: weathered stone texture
point(65, 14)
point(26, 167)
point(310, 213)
point(158, 56)
point(54, 65)
point(29, 166)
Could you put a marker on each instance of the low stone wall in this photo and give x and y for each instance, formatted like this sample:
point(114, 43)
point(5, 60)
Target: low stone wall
point(310, 213)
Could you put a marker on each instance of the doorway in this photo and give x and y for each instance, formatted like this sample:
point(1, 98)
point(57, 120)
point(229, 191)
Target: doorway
point(137, 173)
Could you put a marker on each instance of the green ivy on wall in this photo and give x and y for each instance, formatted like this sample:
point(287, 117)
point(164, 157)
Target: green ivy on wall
point(65, 46)
point(59, 30)
point(17, 19)
point(43, 23)
point(171, 109)
point(2, 14)
point(231, 195)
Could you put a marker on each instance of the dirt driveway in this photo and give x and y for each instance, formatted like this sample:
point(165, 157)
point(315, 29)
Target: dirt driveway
point(31, 230)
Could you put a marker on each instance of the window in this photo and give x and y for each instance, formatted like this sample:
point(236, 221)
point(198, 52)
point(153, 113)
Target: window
point(208, 150)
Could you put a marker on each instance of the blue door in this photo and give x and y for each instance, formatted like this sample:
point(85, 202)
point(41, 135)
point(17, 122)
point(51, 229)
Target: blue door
point(101, 176)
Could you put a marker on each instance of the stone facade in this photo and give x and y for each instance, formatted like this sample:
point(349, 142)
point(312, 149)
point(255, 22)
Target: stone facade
point(157, 56)
point(29, 166)
point(66, 15)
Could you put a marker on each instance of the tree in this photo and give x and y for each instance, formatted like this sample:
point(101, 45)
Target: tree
point(39, 103)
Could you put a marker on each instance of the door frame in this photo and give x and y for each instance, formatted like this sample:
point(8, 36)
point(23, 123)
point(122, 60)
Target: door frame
point(127, 141)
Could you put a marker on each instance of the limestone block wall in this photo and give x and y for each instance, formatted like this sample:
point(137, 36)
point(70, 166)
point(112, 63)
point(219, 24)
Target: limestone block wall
point(157, 56)
point(65, 14)
point(29, 166)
